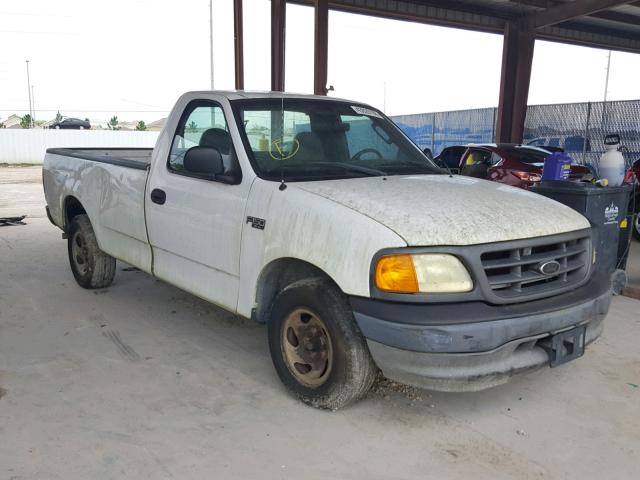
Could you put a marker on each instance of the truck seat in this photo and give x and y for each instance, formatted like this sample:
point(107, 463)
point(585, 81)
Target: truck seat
point(309, 147)
point(220, 139)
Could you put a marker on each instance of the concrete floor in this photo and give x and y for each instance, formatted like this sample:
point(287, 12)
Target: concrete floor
point(141, 380)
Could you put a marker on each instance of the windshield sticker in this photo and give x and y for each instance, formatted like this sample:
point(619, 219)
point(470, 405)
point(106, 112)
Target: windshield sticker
point(365, 111)
point(281, 150)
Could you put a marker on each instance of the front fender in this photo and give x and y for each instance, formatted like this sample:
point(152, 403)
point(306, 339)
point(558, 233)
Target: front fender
point(302, 225)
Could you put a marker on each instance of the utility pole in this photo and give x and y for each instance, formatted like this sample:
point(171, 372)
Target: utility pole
point(29, 90)
point(606, 81)
point(604, 120)
point(33, 106)
point(211, 38)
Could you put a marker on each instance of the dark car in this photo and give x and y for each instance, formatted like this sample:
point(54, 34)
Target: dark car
point(571, 143)
point(449, 158)
point(510, 163)
point(72, 123)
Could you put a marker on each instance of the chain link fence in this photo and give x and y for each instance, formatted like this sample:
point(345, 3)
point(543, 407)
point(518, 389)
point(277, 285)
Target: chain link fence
point(578, 128)
point(442, 129)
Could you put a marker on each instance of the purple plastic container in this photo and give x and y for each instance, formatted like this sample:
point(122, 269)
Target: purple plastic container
point(557, 166)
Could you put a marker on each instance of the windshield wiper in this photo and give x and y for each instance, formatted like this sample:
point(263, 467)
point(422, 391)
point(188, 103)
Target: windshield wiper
point(424, 167)
point(350, 166)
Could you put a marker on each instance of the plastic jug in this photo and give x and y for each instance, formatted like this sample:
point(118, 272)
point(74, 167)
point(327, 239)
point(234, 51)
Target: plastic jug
point(612, 165)
point(557, 166)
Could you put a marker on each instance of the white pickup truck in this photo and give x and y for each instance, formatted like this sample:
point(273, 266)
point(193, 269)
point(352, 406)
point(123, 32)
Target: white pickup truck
point(320, 218)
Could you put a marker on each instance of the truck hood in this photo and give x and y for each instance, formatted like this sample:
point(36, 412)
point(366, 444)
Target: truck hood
point(441, 210)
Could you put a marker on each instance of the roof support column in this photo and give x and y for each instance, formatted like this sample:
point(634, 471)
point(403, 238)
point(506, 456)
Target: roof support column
point(238, 44)
point(320, 47)
point(517, 58)
point(278, 21)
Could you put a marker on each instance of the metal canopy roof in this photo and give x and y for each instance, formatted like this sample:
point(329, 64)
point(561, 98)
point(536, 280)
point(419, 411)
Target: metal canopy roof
point(609, 24)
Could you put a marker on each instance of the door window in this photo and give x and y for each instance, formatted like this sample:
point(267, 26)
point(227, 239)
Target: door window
point(495, 159)
point(476, 157)
point(451, 156)
point(203, 124)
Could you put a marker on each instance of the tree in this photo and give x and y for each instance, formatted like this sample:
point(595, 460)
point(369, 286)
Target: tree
point(26, 121)
point(58, 117)
point(141, 126)
point(2, 125)
point(113, 123)
point(192, 126)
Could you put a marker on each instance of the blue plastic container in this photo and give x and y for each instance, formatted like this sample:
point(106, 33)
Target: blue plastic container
point(557, 166)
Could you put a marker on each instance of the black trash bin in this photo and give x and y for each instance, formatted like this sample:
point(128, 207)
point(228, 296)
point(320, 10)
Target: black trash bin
point(605, 208)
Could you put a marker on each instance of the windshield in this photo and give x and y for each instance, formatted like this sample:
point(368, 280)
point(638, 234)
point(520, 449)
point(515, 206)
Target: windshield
point(306, 139)
point(528, 154)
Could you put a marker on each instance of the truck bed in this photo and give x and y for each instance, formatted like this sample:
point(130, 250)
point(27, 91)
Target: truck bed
point(110, 184)
point(138, 158)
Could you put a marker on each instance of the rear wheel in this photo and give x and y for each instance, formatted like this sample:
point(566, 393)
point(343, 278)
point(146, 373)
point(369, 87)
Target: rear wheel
point(316, 346)
point(91, 267)
point(635, 230)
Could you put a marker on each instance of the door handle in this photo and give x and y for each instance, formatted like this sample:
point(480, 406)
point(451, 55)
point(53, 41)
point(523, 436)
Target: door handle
point(158, 196)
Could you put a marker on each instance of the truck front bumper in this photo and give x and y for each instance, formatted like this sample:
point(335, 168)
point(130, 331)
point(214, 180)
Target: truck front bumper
point(473, 346)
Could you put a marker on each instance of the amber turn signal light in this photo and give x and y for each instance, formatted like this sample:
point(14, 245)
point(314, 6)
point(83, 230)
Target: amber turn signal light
point(396, 273)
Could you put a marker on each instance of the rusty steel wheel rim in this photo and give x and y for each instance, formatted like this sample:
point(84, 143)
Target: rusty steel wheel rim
point(307, 348)
point(80, 253)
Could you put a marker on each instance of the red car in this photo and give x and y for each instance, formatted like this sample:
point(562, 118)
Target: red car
point(634, 201)
point(521, 166)
point(510, 163)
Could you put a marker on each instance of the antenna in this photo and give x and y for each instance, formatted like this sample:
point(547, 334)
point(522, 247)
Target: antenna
point(211, 38)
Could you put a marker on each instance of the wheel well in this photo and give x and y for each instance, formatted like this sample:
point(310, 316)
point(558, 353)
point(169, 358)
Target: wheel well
point(275, 277)
point(72, 208)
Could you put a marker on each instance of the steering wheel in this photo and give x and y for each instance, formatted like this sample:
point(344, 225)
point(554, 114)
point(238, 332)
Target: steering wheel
point(367, 150)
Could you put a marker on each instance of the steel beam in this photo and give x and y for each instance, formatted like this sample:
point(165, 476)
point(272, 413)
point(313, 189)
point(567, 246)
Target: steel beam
point(618, 17)
point(320, 47)
point(278, 22)
point(566, 11)
point(459, 14)
point(611, 15)
point(433, 13)
point(238, 44)
point(578, 35)
point(515, 76)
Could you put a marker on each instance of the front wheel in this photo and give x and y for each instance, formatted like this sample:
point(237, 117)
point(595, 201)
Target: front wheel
point(91, 267)
point(635, 229)
point(316, 346)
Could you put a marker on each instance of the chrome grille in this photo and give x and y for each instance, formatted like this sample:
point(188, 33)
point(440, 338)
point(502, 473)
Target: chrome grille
point(516, 272)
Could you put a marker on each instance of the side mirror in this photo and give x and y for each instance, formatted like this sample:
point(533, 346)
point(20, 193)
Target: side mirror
point(203, 161)
point(428, 153)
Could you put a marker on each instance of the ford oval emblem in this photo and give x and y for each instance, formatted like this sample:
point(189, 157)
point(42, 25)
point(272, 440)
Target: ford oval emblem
point(549, 268)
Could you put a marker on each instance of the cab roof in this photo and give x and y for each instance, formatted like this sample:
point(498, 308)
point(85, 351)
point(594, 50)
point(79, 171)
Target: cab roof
point(255, 94)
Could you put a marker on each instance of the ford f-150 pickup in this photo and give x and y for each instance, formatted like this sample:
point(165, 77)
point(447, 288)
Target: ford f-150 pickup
point(320, 218)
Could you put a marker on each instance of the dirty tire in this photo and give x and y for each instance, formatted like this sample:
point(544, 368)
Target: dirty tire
point(91, 267)
point(352, 371)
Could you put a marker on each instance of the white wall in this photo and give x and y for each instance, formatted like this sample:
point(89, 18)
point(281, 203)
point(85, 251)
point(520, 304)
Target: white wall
point(29, 146)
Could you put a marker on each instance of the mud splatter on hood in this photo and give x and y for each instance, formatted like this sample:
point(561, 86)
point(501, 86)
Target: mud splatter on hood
point(440, 210)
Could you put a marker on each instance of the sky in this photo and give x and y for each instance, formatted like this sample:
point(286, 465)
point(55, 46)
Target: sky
point(133, 58)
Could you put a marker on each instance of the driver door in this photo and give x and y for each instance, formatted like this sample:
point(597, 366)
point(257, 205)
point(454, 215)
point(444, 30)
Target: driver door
point(194, 223)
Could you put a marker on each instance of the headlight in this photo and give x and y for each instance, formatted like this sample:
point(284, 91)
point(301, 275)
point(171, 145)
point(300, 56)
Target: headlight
point(422, 273)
